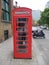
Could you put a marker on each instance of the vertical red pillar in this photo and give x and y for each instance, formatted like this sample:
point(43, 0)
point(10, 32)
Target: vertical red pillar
point(22, 32)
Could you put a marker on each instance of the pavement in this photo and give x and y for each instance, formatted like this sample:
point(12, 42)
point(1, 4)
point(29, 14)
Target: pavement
point(6, 55)
point(40, 52)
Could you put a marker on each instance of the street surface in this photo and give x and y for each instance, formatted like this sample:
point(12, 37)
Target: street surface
point(43, 46)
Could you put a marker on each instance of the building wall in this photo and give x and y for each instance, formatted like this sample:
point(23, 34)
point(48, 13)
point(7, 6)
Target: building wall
point(0, 22)
point(5, 25)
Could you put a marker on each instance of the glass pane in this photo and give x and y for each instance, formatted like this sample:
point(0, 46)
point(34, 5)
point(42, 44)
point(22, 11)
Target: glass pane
point(22, 38)
point(22, 33)
point(7, 14)
point(7, 0)
point(21, 19)
point(4, 5)
point(7, 7)
point(21, 24)
point(22, 51)
point(22, 42)
point(21, 47)
point(4, 15)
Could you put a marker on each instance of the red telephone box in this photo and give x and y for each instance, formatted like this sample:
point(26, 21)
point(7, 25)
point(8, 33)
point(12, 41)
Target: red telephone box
point(22, 32)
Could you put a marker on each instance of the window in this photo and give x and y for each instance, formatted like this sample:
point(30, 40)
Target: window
point(7, 0)
point(6, 34)
point(7, 7)
point(6, 10)
point(4, 15)
point(3, 4)
point(7, 16)
point(21, 19)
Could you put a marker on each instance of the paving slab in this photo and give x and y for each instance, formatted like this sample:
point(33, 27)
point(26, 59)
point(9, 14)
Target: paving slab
point(6, 55)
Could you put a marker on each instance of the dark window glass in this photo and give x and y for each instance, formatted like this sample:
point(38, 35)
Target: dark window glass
point(22, 33)
point(22, 51)
point(6, 34)
point(21, 19)
point(22, 47)
point(6, 10)
point(21, 24)
point(22, 42)
point(22, 38)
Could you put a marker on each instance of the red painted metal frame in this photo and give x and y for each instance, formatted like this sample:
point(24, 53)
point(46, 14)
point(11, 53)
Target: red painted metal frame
point(28, 54)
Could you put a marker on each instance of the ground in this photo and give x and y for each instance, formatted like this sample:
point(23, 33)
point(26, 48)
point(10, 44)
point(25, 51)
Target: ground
point(6, 55)
point(40, 52)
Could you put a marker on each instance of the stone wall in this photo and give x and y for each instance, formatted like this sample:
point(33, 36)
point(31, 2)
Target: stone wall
point(4, 25)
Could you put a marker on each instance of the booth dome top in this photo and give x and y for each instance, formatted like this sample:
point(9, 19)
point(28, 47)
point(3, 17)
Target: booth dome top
point(23, 8)
point(22, 11)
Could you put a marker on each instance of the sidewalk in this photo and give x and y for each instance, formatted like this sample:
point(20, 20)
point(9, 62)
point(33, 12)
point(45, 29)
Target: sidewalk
point(6, 55)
